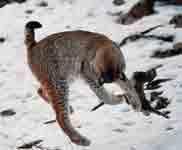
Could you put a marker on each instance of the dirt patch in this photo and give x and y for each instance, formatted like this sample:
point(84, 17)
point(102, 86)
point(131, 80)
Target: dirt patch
point(138, 11)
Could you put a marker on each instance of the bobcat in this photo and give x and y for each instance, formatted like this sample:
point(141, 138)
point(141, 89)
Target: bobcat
point(56, 59)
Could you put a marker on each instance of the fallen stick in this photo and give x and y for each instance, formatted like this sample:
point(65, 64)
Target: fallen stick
point(30, 144)
point(50, 121)
point(97, 106)
point(142, 34)
point(135, 37)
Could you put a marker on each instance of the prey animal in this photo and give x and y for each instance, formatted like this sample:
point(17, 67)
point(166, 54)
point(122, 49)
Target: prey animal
point(58, 58)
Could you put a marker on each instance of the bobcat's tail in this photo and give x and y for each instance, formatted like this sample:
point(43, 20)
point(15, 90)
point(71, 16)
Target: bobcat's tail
point(29, 33)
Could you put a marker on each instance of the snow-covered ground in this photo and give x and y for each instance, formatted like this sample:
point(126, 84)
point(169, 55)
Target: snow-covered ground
point(110, 127)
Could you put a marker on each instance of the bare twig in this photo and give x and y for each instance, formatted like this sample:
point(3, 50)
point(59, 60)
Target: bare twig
point(142, 34)
point(150, 29)
point(30, 144)
point(50, 121)
point(36, 145)
point(153, 110)
point(155, 84)
point(98, 106)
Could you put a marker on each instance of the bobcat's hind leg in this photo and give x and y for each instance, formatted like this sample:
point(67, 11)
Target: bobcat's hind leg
point(43, 94)
point(59, 99)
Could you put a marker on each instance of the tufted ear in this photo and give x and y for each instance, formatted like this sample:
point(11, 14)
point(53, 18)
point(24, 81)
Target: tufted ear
point(33, 25)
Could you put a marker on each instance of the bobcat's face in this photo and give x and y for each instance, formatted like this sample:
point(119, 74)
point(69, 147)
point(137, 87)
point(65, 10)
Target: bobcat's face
point(109, 67)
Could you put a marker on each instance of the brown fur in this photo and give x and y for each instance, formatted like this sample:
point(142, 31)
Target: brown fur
point(56, 58)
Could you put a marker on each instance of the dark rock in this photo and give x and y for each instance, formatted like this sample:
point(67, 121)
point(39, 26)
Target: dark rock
point(42, 4)
point(8, 112)
point(119, 130)
point(118, 2)
point(177, 21)
point(2, 39)
point(169, 128)
point(68, 27)
point(5, 2)
point(29, 11)
point(139, 10)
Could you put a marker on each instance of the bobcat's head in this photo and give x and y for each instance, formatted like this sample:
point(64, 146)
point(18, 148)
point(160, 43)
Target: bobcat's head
point(109, 66)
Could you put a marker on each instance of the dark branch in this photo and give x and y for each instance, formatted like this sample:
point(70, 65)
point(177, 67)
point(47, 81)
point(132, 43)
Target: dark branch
point(98, 106)
point(140, 35)
point(30, 144)
point(155, 84)
point(50, 121)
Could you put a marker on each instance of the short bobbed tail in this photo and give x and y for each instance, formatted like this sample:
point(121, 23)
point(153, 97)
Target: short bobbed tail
point(30, 34)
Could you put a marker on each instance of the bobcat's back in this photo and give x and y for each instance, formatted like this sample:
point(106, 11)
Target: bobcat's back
point(62, 54)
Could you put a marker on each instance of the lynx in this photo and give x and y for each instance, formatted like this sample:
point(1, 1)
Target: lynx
point(57, 59)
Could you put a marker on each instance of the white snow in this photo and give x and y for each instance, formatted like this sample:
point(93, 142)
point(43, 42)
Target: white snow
point(110, 127)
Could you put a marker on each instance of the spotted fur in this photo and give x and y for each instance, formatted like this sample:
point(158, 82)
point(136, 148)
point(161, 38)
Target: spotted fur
point(56, 59)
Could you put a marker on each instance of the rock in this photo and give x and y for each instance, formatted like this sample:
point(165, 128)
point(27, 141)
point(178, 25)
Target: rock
point(29, 11)
point(178, 46)
point(118, 2)
point(8, 112)
point(141, 9)
point(119, 130)
point(169, 128)
point(2, 39)
point(177, 21)
point(5, 2)
point(42, 4)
